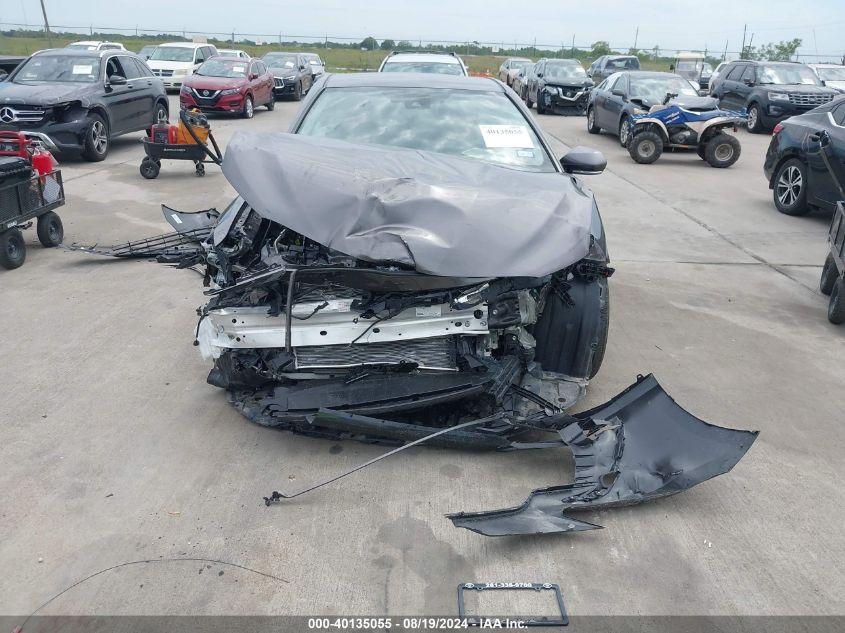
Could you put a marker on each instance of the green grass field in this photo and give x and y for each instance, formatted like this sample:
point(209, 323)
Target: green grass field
point(336, 59)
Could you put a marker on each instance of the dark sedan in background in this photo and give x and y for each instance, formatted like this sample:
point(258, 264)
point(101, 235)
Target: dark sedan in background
point(558, 85)
point(619, 96)
point(798, 178)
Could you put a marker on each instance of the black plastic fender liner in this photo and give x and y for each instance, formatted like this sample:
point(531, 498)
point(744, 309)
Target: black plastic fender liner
point(639, 446)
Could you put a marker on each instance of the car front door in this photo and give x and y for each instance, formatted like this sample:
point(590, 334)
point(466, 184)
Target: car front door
point(745, 85)
point(305, 73)
point(604, 105)
point(537, 81)
point(257, 85)
point(143, 103)
point(820, 183)
point(120, 99)
point(729, 90)
point(616, 103)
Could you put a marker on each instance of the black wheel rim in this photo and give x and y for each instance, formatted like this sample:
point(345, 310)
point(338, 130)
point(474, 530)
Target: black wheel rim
point(53, 231)
point(12, 250)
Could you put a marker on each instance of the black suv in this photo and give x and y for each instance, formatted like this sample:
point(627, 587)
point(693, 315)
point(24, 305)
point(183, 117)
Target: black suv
point(770, 91)
point(77, 101)
point(559, 85)
point(292, 74)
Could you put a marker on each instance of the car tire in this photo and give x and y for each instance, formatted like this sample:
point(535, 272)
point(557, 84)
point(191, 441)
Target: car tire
point(836, 307)
point(624, 133)
point(50, 230)
point(755, 119)
point(790, 188)
point(249, 108)
point(592, 128)
point(528, 103)
point(95, 147)
point(150, 168)
point(271, 105)
point(297, 93)
point(160, 115)
point(829, 275)
point(540, 108)
point(645, 147)
point(722, 151)
point(12, 249)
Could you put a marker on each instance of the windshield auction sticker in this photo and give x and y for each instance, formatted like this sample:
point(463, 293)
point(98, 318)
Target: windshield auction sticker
point(513, 136)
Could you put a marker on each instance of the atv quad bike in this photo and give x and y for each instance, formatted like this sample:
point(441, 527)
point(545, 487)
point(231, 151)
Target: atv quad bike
point(686, 123)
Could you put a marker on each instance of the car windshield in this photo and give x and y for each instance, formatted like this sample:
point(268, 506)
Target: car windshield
point(64, 68)
point(276, 60)
point(441, 68)
point(146, 50)
point(655, 89)
point(696, 67)
point(173, 54)
point(832, 74)
point(565, 71)
point(484, 126)
point(216, 67)
point(627, 63)
point(786, 74)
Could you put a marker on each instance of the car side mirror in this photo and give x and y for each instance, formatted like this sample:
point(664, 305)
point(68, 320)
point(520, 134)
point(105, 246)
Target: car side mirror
point(253, 76)
point(583, 160)
point(618, 93)
point(539, 75)
point(302, 68)
point(748, 82)
point(117, 80)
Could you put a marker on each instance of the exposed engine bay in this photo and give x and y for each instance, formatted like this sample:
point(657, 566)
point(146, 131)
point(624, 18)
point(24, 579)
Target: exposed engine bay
point(409, 348)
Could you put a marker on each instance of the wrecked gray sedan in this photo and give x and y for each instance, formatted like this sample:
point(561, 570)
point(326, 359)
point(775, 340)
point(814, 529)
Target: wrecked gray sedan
point(413, 264)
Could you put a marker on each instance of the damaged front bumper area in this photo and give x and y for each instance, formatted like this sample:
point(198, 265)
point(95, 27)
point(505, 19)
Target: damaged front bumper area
point(639, 446)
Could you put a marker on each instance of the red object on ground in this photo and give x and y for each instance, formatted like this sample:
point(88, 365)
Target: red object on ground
point(43, 161)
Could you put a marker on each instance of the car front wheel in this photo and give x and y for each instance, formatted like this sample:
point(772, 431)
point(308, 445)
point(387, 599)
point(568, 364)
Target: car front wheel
point(95, 146)
point(755, 119)
point(592, 128)
point(249, 108)
point(624, 131)
point(790, 190)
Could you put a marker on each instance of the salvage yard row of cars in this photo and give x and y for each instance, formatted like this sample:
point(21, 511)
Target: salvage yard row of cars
point(75, 100)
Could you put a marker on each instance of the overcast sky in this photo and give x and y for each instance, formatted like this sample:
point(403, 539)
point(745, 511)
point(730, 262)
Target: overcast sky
point(679, 24)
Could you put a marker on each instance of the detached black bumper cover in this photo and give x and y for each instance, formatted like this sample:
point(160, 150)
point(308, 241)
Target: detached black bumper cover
point(639, 446)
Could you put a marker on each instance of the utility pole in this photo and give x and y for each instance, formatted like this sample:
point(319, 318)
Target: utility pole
point(742, 50)
point(725, 54)
point(816, 45)
point(636, 37)
point(573, 44)
point(46, 24)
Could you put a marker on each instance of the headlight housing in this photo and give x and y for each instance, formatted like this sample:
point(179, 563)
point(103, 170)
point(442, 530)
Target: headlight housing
point(778, 96)
point(290, 77)
point(184, 89)
point(229, 91)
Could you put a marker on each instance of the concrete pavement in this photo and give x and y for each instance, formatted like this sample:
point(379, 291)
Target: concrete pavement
point(114, 448)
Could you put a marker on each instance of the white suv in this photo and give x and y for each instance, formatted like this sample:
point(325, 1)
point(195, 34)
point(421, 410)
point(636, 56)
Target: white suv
point(440, 63)
point(96, 46)
point(176, 60)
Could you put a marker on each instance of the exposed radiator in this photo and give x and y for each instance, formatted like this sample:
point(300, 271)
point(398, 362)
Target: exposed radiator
point(427, 353)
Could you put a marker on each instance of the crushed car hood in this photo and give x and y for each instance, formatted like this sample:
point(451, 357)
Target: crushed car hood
point(440, 214)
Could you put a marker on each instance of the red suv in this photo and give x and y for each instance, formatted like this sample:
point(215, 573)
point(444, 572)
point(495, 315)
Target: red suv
point(229, 84)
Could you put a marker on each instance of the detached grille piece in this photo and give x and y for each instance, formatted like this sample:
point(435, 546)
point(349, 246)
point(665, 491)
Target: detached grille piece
point(811, 99)
point(427, 353)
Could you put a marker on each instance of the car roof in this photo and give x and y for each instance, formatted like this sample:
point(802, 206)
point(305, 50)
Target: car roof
point(437, 58)
point(413, 80)
point(80, 53)
point(622, 57)
point(568, 62)
point(184, 44)
point(646, 73)
point(281, 53)
point(828, 65)
point(229, 58)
